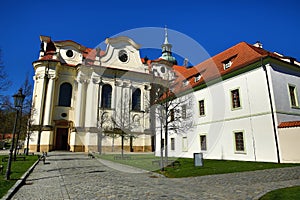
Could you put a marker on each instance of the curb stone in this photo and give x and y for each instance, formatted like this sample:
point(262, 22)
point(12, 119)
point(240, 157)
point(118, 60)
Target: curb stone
point(19, 183)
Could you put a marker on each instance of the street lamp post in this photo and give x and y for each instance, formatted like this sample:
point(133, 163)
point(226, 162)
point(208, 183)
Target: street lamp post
point(18, 102)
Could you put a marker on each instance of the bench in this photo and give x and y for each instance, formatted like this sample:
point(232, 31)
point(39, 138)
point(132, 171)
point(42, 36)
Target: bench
point(5, 159)
point(171, 163)
point(90, 155)
point(21, 157)
point(120, 157)
point(43, 157)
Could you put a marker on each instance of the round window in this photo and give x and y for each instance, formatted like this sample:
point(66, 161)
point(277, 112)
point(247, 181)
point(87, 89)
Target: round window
point(69, 53)
point(163, 69)
point(64, 114)
point(123, 56)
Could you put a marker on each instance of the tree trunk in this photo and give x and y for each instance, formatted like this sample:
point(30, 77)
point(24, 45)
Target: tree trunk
point(122, 144)
point(166, 137)
point(161, 149)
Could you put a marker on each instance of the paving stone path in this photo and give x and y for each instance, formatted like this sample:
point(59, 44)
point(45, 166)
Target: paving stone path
point(75, 176)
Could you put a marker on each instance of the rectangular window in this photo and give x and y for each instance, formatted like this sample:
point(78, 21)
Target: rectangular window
point(203, 142)
point(227, 64)
point(293, 96)
point(183, 111)
point(239, 142)
point(173, 144)
point(235, 98)
point(184, 144)
point(172, 115)
point(197, 78)
point(201, 108)
point(185, 83)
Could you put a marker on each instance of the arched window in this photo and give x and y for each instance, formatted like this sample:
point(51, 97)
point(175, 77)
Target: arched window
point(136, 99)
point(106, 96)
point(65, 95)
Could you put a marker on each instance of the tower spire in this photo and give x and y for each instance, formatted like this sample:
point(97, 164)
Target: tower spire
point(167, 49)
point(166, 35)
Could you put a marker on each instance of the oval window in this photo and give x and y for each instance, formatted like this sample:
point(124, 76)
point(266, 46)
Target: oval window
point(123, 56)
point(69, 53)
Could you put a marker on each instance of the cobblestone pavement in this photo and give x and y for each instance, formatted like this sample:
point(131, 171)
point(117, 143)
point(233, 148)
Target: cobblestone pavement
point(75, 176)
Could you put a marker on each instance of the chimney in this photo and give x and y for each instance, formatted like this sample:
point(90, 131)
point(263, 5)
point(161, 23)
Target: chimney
point(258, 44)
point(185, 62)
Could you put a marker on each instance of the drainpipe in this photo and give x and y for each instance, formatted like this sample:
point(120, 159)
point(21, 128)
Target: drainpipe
point(272, 110)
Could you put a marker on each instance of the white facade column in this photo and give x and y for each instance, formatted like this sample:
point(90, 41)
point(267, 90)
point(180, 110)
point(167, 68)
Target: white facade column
point(78, 107)
point(91, 104)
point(49, 101)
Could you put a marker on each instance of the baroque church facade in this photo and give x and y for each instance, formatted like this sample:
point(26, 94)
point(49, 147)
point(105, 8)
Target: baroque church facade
point(91, 100)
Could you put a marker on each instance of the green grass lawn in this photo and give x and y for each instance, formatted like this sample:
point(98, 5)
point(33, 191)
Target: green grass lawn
point(18, 168)
point(187, 168)
point(291, 193)
point(142, 161)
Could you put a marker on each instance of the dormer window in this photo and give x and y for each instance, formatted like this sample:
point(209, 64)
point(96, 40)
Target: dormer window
point(185, 83)
point(227, 64)
point(197, 77)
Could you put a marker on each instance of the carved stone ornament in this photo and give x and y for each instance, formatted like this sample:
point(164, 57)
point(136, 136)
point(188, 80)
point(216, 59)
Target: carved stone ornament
point(96, 79)
point(118, 82)
point(82, 78)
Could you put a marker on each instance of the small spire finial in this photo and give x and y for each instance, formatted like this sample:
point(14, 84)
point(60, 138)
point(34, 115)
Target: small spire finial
point(166, 35)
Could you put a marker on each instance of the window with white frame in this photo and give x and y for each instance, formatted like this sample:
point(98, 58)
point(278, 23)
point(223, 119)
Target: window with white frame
point(136, 99)
point(227, 64)
point(293, 96)
point(172, 115)
point(183, 112)
point(239, 141)
point(185, 83)
point(201, 108)
point(172, 144)
point(235, 99)
point(203, 144)
point(197, 77)
point(65, 95)
point(106, 96)
point(184, 144)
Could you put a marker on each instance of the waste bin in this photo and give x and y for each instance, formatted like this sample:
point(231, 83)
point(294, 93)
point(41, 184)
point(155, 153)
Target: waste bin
point(198, 159)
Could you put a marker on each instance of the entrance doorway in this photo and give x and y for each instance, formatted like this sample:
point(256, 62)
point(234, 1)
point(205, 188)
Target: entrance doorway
point(61, 141)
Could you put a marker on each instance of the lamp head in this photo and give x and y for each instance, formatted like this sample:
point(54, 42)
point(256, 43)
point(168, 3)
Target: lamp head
point(19, 98)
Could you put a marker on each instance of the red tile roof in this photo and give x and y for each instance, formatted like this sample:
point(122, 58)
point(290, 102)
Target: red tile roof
point(241, 55)
point(289, 124)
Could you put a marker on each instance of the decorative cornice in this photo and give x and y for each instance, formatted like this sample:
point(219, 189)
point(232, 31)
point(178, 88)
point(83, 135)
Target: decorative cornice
point(122, 39)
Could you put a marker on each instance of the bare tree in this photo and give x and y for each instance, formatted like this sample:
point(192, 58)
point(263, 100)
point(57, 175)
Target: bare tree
point(121, 119)
point(173, 112)
point(4, 82)
point(24, 114)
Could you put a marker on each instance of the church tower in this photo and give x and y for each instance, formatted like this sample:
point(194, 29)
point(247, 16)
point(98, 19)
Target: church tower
point(167, 50)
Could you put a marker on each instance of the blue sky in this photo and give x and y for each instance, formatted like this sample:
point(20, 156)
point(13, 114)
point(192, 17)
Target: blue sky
point(215, 25)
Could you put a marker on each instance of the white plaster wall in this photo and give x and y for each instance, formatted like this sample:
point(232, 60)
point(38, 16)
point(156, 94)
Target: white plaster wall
point(134, 63)
point(289, 143)
point(75, 59)
point(221, 121)
point(281, 78)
